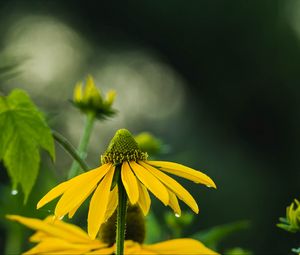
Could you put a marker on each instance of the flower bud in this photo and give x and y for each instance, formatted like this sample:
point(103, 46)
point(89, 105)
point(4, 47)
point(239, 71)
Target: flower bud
point(89, 99)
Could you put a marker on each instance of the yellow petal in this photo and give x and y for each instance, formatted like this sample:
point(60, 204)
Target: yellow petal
point(173, 185)
point(72, 229)
point(150, 182)
point(184, 172)
point(173, 203)
point(38, 237)
point(180, 246)
point(144, 199)
point(50, 229)
point(113, 203)
point(131, 247)
point(91, 91)
point(110, 97)
point(82, 185)
point(74, 210)
point(53, 193)
point(59, 246)
point(103, 251)
point(99, 203)
point(130, 183)
point(77, 92)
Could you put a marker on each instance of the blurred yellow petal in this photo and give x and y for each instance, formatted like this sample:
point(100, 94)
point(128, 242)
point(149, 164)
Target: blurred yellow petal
point(59, 246)
point(77, 92)
point(110, 97)
point(151, 182)
point(103, 251)
point(144, 199)
point(130, 183)
point(91, 92)
point(99, 203)
point(38, 237)
point(184, 171)
point(50, 229)
point(82, 185)
point(180, 246)
point(113, 203)
point(173, 185)
point(72, 229)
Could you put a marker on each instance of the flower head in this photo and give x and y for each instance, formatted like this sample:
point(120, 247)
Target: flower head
point(292, 221)
point(124, 158)
point(148, 142)
point(90, 99)
point(57, 237)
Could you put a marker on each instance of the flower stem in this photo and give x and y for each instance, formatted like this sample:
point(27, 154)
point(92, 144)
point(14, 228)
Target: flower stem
point(70, 149)
point(83, 144)
point(121, 218)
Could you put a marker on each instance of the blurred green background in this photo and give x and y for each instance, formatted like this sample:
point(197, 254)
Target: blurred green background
point(217, 81)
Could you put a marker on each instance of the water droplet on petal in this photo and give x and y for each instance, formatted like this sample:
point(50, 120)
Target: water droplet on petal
point(60, 218)
point(14, 192)
point(177, 215)
point(208, 186)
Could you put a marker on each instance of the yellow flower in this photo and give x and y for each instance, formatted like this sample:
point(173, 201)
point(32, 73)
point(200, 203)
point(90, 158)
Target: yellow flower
point(90, 99)
point(138, 175)
point(57, 237)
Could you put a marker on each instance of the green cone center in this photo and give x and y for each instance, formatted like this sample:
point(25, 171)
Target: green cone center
point(122, 147)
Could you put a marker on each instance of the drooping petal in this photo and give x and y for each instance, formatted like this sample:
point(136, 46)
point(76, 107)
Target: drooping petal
point(174, 203)
point(54, 193)
point(38, 237)
point(179, 246)
point(84, 185)
point(173, 185)
point(144, 199)
point(70, 228)
point(59, 246)
point(52, 229)
point(151, 182)
point(98, 204)
point(184, 172)
point(113, 203)
point(130, 183)
point(74, 210)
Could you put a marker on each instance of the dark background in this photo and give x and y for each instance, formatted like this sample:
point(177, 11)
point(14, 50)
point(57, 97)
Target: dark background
point(240, 61)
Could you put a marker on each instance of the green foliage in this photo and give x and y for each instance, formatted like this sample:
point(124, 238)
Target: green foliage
point(296, 250)
point(177, 224)
point(23, 132)
point(292, 221)
point(9, 67)
point(237, 251)
point(213, 236)
point(154, 231)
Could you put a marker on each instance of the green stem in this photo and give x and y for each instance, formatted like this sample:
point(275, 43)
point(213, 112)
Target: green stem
point(70, 149)
point(83, 144)
point(121, 219)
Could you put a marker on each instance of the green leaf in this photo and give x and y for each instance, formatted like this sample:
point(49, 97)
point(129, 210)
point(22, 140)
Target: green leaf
point(23, 132)
point(154, 230)
point(213, 236)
